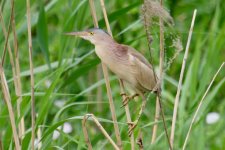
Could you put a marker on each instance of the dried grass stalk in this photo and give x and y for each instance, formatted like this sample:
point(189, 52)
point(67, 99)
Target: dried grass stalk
point(7, 99)
point(100, 128)
point(18, 87)
point(199, 106)
point(161, 66)
point(31, 75)
point(176, 103)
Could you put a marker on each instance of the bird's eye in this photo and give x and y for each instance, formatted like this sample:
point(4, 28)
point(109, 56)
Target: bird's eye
point(91, 33)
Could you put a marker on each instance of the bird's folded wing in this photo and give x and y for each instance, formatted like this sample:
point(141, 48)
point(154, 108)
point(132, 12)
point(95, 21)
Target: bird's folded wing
point(142, 69)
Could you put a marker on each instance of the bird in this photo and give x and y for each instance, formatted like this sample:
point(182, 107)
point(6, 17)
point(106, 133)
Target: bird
point(129, 65)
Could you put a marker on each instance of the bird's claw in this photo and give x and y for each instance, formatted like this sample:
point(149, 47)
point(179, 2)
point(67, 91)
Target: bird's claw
point(126, 99)
point(132, 126)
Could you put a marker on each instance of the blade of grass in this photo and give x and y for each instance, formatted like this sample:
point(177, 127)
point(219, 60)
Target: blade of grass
point(31, 75)
point(199, 106)
point(42, 33)
point(180, 80)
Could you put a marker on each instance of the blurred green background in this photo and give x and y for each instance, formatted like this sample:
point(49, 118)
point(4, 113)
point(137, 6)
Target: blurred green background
point(67, 82)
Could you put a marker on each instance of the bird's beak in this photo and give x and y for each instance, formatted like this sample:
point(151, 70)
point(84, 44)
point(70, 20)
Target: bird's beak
point(79, 33)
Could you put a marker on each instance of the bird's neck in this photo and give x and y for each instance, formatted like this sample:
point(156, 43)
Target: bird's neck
point(104, 41)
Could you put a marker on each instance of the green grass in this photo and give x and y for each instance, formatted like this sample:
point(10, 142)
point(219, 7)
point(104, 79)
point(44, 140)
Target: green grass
point(70, 66)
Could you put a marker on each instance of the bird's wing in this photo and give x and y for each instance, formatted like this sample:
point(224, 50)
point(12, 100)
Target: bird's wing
point(143, 69)
point(139, 56)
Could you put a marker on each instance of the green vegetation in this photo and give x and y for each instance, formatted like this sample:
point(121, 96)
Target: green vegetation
point(67, 81)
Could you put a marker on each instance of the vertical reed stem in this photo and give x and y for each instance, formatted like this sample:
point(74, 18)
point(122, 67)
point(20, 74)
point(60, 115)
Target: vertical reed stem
point(180, 81)
point(106, 76)
point(31, 75)
point(199, 105)
point(18, 87)
point(161, 63)
point(127, 110)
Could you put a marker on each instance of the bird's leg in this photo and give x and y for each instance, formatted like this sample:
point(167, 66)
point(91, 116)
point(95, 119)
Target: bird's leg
point(134, 123)
point(128, 98)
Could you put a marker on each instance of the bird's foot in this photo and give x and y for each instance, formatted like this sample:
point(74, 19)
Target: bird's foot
point(132, 126)
point(127, 98)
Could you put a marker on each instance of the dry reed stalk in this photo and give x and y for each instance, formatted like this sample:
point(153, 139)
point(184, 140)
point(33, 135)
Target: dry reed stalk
point(154, 9)
point(121, 83)
point(161, 64)
point(86, 137)
point(200, 104)
point(127, 110)
point(180, 80)
point(100, 128)
point(18, 87)
point(99, 89)
point(6, 35)
point(31, 75)
point(7, 99)
point(99, 68)
point(106, 76)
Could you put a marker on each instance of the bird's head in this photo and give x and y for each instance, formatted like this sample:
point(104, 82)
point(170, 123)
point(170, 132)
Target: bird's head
point(94, 35)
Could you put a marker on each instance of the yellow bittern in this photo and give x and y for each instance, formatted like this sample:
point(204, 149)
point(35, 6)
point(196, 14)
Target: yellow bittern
point(128, 64)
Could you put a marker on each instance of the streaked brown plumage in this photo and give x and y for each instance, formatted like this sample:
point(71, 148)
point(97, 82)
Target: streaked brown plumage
point(127, 63)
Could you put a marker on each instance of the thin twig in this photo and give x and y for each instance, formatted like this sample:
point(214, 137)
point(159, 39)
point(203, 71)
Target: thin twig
point(100, 128)
point(106, 76)
point(161, 64)
point(180, 80)
point(199, 105)
point(31, 75)
point(7, 99)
